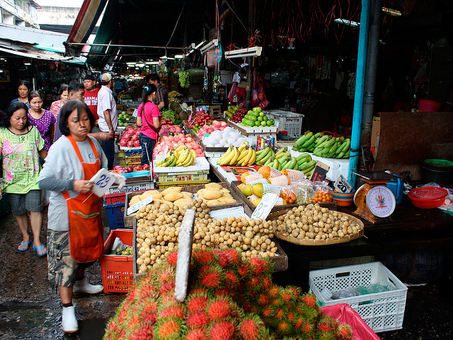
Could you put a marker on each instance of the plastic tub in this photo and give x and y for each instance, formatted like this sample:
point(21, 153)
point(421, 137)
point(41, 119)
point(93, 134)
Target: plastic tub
point(343, 199)
point(426, 105)
point(437, 171)
point(428, 197)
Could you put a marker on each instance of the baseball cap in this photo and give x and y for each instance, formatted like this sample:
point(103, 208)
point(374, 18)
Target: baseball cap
point(105, 78)
point(89, 77)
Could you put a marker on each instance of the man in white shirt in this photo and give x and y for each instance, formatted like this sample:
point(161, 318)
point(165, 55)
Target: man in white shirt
point(108, 116)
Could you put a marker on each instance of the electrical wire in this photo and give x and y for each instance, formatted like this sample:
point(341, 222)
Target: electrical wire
point(176, 25)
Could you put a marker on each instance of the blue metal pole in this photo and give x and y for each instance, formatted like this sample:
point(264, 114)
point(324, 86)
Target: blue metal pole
point(359, 90)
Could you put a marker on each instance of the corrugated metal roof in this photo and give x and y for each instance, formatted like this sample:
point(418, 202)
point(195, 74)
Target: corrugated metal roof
point(40, 38)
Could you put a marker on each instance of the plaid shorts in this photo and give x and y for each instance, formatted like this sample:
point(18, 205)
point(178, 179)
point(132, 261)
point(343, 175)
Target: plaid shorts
point(21, 203)
point(62, 267)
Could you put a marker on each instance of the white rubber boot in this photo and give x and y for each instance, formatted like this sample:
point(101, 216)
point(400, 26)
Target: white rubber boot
point(69, 320)
point(83, 286)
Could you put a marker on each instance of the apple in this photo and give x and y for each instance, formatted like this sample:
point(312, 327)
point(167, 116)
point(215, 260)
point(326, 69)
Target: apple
point(257, 109)
point(136, 143)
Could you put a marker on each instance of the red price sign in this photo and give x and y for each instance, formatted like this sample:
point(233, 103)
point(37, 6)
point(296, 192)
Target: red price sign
point(319, 173)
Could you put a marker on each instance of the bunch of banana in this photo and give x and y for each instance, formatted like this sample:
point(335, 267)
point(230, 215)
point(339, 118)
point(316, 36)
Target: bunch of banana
point(230, 157)
point(186, 156)
point(323, 145)
point(246, 157)
point(333, 148)
point(169, 161)
point(307, 142)
point(264, 155)
point(306, 164)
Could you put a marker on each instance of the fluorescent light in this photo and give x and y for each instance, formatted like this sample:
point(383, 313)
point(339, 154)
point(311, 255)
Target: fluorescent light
point(140, 65)
point(244, 52)
point(347, 22)
point(392, 12)
point(179, 56)
point(152, 63)
point(199, 45)
point(213, 43)
point(130, 64)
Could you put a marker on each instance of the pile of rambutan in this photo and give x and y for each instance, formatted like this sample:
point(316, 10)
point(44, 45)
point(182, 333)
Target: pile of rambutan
point(229, 297)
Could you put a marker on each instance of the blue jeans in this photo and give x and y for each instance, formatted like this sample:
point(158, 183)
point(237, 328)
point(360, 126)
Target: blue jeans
point(109, 149)
point(147, 144)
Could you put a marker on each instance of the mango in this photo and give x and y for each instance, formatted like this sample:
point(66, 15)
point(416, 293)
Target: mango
point(247, 190)
point(257, 189)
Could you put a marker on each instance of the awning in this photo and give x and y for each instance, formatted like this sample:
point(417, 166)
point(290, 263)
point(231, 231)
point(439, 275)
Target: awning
point(87, 18)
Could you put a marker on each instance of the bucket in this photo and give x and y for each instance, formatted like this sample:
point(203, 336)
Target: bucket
point(437, 170)
point(426, 105)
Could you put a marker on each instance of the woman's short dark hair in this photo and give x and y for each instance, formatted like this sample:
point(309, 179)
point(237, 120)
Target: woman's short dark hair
point(13, 107)
point(63, 88)
point(68, 108)
point(25, 83)
point(34, 94)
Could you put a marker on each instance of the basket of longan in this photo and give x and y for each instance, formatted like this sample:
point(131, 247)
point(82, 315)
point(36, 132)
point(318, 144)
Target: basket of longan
point(314, 225)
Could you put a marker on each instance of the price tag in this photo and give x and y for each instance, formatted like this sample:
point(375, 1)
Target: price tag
point(265, 206)
point(140, 204)
point(102, 182)
point(342, 185)
point(319, 172)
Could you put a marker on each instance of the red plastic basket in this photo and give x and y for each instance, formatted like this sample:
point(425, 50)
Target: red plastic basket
point(428, 197)
point(117, 271)
point(115, 198)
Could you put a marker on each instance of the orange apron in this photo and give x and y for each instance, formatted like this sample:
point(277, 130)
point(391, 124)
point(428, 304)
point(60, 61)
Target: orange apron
point(84, 212)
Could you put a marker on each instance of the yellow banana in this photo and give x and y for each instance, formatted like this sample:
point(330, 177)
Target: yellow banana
point(189, 160)
point(243, 155)
point(235, 157)
point(225, 155)
point(183, 157)
point(252, 159)
point(246, 159)
point(194, 154)
point(231, 156)
point(243, 146)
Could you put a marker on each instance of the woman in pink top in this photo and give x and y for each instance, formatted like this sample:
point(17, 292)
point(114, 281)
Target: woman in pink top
point(148, 118)
point(56, 105)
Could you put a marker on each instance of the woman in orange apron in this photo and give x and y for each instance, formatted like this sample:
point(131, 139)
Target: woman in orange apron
point(75, 231)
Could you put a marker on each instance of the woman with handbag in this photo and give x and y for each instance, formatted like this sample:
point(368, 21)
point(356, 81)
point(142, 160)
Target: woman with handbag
point(148, 118)
point(75, 231)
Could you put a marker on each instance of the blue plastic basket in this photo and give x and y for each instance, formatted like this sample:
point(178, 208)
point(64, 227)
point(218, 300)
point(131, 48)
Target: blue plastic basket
point(115, 214)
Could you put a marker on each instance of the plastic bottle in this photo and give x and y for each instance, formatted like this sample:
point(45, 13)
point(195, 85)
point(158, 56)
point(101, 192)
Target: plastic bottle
point(287, 102)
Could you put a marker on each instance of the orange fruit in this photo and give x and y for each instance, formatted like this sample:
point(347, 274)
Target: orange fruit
point(265, 171)
point(244, 175)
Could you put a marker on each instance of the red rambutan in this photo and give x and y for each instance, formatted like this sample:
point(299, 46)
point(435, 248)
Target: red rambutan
point(203, 257)
point(344, 331)
point(307, 328)
point(222, 330)
point(122, 315)
point(259, 265)
point(167, 330)
point(254, 283)
point(263, 300)
point(266, 282)
point(277, 302)
point(244, 269)
point(172, 258)
point(251, 328)
point(284, 327)
point(220, 309)
point(224, 292)
point(309, 300)
point(224, 260)
point(274, 291)
point(212, 280)
point(197, 320)
point(267, 312)
point(324, 327)
point(196, 334)
point(231, 280)
point(286, 295)
point(166, 276)
point(199, 291)
point(196, 303)
point(291, 316)
point(145, 331)
point(171, 312)
point(279, 313)
point(166, 287)
point(247, 306)
point(299, 323)
point(234, 255)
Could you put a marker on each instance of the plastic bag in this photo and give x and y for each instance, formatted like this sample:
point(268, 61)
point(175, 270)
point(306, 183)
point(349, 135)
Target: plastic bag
point(232, 92)
point(255, 99)
point(304, 194)
point(323, 193)
point(288, 194)
point(252, 177)
point(294, 175)
point(449, 197)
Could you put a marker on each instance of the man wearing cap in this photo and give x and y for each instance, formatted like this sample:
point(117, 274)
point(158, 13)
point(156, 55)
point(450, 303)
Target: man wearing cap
point(91, 95)
point(108, 116)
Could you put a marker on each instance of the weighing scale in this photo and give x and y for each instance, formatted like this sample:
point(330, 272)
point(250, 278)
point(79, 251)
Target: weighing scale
point(375, 202)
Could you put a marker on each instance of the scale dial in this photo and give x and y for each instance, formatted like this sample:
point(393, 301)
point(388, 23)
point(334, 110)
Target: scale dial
point(381, 201)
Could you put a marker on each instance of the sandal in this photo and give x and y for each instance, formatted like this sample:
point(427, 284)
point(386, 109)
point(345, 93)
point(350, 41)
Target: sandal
point(40, 250)
point(24, 246)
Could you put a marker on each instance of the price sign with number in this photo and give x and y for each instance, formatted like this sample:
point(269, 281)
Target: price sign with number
point(319, 172)
point(102, 182)
point(265, 206)
point(342, 185)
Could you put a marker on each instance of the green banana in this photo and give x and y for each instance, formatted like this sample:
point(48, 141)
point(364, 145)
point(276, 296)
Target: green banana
point(263, 154)
point(303, 156)
point(321, 140)
point(307, 165)
point(309, 141)
point(266, 158)
point(282, 150)
point(282, 155)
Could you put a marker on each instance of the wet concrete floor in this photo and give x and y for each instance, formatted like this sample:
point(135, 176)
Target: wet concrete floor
point(30, 309)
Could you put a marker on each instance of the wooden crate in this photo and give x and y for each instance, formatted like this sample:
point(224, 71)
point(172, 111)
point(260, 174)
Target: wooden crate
point(234, 187)
point(129, 219)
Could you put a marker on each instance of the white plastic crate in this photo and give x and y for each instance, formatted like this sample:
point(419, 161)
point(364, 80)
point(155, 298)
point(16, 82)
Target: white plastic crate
point(288, 121)
point(381, 311)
